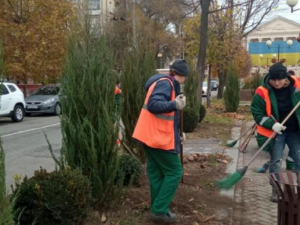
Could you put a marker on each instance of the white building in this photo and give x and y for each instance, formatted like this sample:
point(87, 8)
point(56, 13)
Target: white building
point(278, 30)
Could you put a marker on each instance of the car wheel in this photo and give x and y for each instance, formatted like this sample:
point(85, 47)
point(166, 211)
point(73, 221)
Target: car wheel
point(18, 114)
point(57, 109)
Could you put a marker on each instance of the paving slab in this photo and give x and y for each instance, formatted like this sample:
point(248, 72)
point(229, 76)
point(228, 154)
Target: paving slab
point(253, 192)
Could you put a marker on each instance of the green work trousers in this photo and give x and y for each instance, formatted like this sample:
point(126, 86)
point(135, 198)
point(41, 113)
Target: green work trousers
point(164, 172)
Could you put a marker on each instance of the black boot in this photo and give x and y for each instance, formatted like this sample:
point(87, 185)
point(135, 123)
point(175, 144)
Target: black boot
point(274, 197)
point(165, 217)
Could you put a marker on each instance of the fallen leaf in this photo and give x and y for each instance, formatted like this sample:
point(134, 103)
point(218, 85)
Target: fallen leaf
point(192, 199)
point(191, 158)
point(103, 218)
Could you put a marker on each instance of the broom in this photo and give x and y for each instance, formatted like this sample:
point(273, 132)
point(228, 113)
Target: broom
point(233, 143)
point(232, 179)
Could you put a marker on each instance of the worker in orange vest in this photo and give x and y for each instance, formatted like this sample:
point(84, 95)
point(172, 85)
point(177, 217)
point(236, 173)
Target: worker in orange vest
point(272, 102)
point(118, 100)
point(289, 162)
point(158, 130)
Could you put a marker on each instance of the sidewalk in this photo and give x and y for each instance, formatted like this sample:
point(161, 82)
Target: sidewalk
point(253, 191)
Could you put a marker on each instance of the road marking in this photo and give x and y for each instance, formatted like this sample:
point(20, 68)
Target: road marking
point(33, 129)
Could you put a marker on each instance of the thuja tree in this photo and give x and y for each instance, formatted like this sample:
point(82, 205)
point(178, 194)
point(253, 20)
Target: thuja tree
point(87, 121)
point(138, 67)
point(191, 111)
point(232, 90)
point(6, 217)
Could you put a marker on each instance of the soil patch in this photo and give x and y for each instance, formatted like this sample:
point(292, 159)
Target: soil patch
point(197, 200)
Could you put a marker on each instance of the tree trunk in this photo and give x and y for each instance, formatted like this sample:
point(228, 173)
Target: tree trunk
point(202, 46)
point(208, 86)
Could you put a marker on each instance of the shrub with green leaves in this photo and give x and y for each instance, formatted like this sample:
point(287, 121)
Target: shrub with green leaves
point(60, 198)
point(190, 119)
point(202, 112)
point(232, 91)
point(129, 169)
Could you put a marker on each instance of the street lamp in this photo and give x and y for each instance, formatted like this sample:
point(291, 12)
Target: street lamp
point(160, 55)
point(262, 57)
point(288, 42)
point(292, 4)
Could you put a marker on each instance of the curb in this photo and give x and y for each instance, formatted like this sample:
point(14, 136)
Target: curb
point(231, 168)
point(234, 154)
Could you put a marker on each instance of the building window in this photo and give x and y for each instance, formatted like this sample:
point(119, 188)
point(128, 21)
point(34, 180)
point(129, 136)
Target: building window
point(94, 4)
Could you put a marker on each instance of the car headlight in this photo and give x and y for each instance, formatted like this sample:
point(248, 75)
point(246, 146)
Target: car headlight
point(49, 101)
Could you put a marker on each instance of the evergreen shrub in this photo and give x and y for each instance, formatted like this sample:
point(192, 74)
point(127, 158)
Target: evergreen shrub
point(232, 91)
point(60, 198)
point(138, 67)
point(129, 169)
point(88, 120)
point(6, 217)
point(190, 119)
point(202, 112)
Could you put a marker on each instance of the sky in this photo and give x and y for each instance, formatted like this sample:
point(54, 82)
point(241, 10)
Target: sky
point(284, 10)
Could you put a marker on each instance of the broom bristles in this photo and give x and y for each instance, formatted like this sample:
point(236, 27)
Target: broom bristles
point(232, 179)
point(231, 144)
point(229, 181)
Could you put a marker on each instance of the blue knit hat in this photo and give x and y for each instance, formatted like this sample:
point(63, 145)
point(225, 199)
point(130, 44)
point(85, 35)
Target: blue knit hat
point(180, 67)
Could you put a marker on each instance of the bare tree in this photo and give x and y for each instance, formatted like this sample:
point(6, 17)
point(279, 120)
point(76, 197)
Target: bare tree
point(250, 13)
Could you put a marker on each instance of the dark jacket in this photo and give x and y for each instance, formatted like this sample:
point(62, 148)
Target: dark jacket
point(160, 102)
point(258, 109)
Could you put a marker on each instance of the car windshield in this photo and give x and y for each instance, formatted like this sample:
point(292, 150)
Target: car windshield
point(48, 90)
point(204, 84)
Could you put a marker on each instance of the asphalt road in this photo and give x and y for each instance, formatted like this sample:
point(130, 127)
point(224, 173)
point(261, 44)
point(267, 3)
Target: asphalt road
point(26, 147)
point(213, 94)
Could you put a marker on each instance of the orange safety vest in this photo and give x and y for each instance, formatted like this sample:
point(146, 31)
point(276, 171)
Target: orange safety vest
point(117, 90)
point(265, 95)
point(156, 130)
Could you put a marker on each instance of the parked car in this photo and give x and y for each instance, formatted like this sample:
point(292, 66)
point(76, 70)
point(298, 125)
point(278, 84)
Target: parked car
point(204, 88)
point(45, 99)
point(12, 101)
point(214, 85)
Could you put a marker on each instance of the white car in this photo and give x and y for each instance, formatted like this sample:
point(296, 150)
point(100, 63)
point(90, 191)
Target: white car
point(204, 88)
point(12, 102)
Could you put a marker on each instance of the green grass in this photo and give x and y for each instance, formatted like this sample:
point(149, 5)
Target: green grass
point(217, 119)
